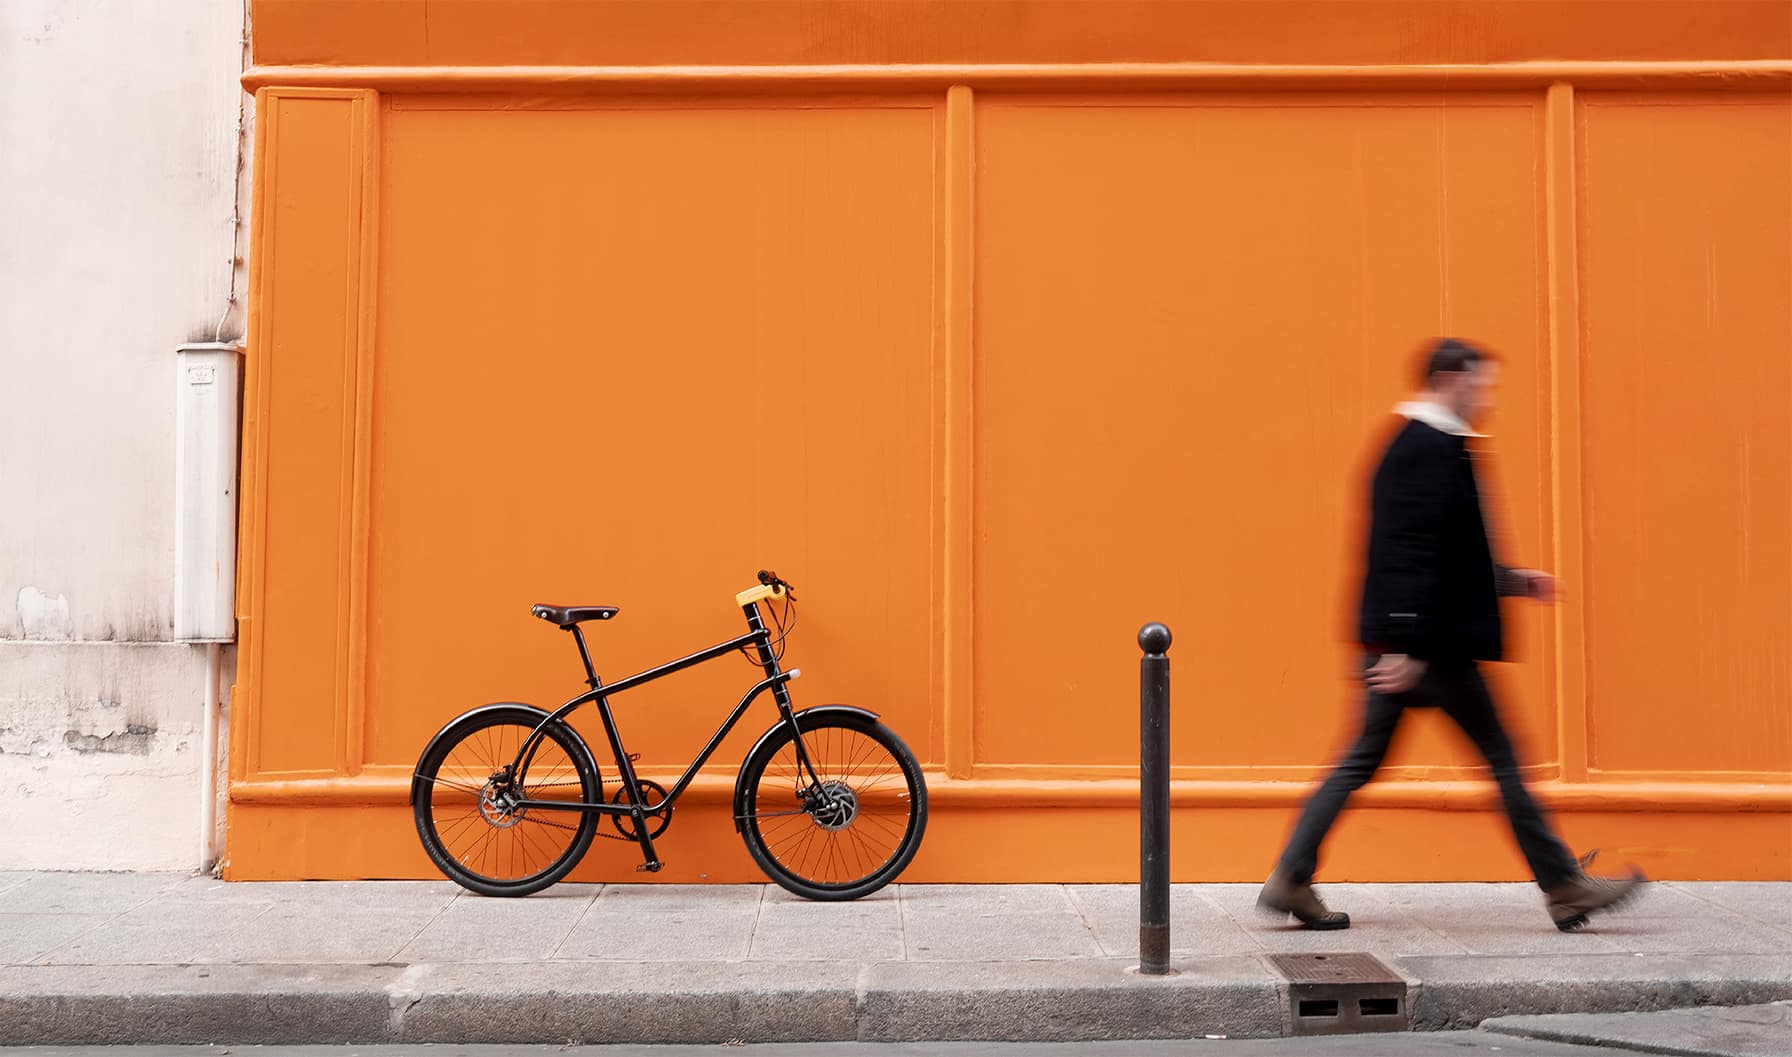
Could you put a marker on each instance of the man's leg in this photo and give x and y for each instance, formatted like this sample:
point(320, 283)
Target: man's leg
point(1464, 696)
point(1381, 716)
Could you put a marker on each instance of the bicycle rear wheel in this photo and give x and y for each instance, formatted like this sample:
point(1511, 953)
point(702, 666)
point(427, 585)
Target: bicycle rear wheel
point(466, 810)
point(849, 829)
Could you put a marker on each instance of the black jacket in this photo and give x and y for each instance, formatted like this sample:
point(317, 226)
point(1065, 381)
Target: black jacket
point(1432, 588)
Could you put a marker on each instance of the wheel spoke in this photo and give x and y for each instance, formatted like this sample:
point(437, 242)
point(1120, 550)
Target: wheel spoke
point(462, 786)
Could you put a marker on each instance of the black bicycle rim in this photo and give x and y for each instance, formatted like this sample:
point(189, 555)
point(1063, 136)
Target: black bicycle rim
point(476, 836)
point(837, 842)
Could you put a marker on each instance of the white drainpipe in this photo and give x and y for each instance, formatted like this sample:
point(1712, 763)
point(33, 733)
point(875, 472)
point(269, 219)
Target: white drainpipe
point(208, 758)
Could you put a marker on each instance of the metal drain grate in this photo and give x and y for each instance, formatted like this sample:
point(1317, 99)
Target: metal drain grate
point(1338, 994)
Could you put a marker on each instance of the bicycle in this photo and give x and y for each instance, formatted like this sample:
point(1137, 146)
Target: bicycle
point(830, 802)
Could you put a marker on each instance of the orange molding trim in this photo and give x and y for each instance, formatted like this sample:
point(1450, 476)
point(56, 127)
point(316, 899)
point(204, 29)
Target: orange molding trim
point(358, 522)
point(251, 568)
point(959, 455)
point(1568, 661)
point(1747, 75)
point(1123, 794)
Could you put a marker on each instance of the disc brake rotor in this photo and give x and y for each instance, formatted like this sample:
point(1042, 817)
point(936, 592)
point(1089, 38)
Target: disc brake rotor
point(497, 805)
point(834, 805)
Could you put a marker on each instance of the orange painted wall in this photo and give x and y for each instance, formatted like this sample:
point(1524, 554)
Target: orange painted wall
point(820, 32)
point(994, 377)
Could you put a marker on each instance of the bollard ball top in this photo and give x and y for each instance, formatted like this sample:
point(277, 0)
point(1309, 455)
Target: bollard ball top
point(1154, 638)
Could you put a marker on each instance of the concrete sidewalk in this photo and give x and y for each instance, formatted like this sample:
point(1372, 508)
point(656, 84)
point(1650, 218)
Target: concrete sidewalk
point(112, 958)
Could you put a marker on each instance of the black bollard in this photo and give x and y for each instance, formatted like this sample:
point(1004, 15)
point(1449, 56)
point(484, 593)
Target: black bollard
point(1154, 801)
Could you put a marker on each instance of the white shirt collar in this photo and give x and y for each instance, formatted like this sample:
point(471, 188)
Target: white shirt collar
point(1436, 416)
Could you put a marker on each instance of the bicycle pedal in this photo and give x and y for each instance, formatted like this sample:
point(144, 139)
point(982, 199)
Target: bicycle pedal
point(650, 867)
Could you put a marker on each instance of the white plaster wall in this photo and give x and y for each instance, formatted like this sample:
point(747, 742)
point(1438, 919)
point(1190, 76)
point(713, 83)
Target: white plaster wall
point(118, 181)
point(99, 755)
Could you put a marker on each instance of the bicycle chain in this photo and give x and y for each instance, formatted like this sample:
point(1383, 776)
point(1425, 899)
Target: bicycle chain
point(600, 829)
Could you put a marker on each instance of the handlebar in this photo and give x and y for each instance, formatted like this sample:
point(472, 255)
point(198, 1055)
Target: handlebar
point(770, 586)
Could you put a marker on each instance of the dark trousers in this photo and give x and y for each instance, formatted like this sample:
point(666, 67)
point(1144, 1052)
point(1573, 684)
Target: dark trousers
point(1461, 692)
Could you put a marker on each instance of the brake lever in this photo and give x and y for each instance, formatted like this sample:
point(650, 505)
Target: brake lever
point(771, 579)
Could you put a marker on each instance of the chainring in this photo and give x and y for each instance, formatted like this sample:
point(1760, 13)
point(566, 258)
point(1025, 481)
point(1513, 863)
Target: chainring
point(654, 794)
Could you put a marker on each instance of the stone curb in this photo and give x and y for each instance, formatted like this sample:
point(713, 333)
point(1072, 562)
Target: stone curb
point(710, 1002)
point(615, 1002)
point(1462, 991)
point(1738, 1031)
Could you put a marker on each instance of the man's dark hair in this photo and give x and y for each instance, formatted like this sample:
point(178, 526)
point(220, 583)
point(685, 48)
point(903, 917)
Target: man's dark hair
point(1452, 354)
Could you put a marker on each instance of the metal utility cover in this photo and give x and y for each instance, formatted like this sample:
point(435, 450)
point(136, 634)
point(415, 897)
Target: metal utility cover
point(1337, 994)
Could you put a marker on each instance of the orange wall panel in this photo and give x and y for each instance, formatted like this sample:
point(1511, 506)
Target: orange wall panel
point(304, 361)
point(1687, 368)
point(629, 356)
point(1193, 320)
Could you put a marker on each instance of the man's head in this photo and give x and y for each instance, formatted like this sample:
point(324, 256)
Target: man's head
point(1460, 376)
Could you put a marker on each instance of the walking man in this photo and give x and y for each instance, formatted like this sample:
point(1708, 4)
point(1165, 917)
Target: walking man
point(1430, 614)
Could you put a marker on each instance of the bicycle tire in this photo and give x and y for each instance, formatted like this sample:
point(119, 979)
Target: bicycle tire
point(852, 866)
point(491, 752)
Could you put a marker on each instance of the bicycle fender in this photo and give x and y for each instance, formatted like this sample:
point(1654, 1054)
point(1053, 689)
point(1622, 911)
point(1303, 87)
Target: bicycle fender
point(417, 783)
point(819, 711)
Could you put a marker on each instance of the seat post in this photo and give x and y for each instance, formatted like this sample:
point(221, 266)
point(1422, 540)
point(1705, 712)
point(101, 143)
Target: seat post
point(584, 655)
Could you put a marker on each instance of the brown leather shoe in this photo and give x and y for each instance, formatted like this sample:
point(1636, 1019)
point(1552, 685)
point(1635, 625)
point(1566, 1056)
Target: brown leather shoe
point(1283, 896)
point(1572, 901)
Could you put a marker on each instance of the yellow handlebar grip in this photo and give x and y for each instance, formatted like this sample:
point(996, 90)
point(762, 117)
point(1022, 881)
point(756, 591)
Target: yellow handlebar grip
point(759, 594)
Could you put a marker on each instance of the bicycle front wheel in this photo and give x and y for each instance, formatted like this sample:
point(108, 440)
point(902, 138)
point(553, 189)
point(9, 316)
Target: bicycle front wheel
point(848, 828)
point(467, 809)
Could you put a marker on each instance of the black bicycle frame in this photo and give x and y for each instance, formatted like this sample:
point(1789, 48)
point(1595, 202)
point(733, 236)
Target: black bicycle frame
point(775, 680)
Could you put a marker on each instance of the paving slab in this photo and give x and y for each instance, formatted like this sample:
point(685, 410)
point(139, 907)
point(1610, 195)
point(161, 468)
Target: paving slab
point(472, 929)
point(987, 899)
point(291, 935)
point(656, 923)
point(1711, 935)
point(164, 933)
point(946, 937)
point(1377, 926)
point(1198, 927)
point(25, 937)
point(1495, 938)
point(340, 895)
point(1767, 903)
point(868, 930)
point(1742, 1031)
point(87, 893)
point(965, 923)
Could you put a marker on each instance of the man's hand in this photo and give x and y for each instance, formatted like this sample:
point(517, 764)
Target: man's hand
point(1538, 586)
point(1395, 673)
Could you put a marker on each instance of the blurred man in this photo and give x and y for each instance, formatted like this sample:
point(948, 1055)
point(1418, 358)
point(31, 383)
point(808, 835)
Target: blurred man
point(1430, 615)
